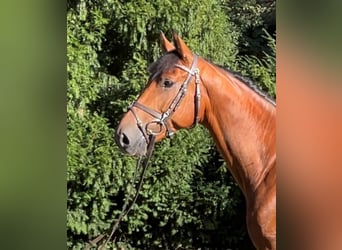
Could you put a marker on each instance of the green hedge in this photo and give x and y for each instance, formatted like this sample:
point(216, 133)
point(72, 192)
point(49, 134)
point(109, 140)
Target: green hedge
point(188, 199)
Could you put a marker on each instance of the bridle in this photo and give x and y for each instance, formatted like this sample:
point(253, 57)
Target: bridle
point(162, 119)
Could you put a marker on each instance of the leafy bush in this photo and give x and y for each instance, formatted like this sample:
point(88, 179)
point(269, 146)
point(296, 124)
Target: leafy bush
point(262, 71)
point(188, 199)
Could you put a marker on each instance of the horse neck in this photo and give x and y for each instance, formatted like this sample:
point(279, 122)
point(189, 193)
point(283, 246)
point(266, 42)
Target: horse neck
point(242, 124)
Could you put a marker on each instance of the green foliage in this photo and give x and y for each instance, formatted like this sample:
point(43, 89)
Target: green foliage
point(262, 71)
point(251, 18)
point(188, 199)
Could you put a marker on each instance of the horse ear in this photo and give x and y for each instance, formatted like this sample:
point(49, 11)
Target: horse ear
point(166, 44)
point(182, 48)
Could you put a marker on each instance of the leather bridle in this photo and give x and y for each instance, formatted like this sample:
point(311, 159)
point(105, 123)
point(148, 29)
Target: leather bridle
point(162, 119)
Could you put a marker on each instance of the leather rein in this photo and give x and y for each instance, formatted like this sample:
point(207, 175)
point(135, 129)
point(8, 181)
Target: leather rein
point(127, 208)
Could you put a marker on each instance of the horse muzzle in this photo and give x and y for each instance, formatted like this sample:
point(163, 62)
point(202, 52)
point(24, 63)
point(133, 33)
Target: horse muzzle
point(131, 141)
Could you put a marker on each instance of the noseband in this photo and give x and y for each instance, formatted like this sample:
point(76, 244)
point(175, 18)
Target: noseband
point(162, 119)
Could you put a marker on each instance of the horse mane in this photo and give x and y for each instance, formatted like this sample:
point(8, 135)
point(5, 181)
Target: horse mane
point(169, 59)
point(249, 83)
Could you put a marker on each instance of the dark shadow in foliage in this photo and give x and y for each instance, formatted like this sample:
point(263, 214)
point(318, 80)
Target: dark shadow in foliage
point(251, 23)
point(255, 42)
point(225, 228)
point(106, 106)
point(71, 4)
point(115, 52)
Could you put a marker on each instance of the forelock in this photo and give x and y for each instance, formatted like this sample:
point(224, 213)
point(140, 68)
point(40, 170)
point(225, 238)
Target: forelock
point(163, 64)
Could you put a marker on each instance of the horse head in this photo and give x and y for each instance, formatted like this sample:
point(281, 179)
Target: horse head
point(170, 101)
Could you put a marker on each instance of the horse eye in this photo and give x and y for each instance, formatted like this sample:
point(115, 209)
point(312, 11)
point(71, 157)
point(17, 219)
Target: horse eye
point(167, 84)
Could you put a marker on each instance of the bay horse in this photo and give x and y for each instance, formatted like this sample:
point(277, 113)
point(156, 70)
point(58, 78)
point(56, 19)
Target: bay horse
point(183, 90)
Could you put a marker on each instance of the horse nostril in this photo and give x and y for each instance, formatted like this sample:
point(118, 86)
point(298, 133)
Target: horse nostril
point(124, 139)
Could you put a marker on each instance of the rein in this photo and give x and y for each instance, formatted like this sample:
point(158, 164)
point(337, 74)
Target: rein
point(125, 208)
point(162, 119)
